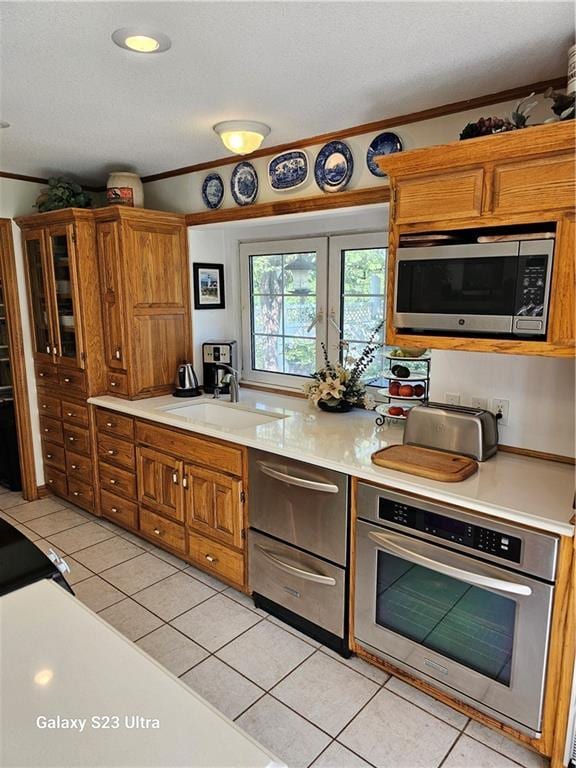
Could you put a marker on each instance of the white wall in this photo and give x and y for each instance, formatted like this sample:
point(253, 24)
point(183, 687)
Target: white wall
point(183, 193)
point(540, 390)
point(18, 198)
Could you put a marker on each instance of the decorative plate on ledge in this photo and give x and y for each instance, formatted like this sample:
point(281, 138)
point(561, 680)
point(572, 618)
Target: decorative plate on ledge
point(244, 183)
point(383, 144)
point(288, 170)
point(334, 166)
point(213, 190)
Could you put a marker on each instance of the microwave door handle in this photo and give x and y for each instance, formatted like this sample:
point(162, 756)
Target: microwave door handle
point(385, 543)
point(299, 481)
point(294, 571)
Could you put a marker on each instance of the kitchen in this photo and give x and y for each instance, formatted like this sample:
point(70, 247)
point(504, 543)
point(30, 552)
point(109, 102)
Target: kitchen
point(277, 576)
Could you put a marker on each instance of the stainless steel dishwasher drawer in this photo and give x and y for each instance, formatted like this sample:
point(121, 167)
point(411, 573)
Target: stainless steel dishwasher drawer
point(302, 583)
point(299, 503)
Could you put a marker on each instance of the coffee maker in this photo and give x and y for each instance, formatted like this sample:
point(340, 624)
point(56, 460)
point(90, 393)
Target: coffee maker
point(213, 354)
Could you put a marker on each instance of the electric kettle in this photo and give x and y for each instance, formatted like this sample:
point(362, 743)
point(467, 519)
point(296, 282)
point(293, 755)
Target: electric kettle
point(186, 382)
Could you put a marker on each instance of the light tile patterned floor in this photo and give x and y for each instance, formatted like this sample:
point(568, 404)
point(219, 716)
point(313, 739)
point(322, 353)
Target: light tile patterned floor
point(305, 703)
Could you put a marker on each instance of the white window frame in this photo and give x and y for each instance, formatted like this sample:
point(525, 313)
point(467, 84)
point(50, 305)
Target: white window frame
point(328, 250)
point(300, 245)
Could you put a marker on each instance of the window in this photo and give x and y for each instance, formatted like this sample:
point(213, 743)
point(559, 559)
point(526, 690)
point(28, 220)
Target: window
point(300, 293)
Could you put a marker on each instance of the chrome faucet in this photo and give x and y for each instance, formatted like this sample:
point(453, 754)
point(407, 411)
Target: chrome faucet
point(232, 379)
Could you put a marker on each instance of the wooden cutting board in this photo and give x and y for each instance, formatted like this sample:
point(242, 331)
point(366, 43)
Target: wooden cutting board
point(425, 462)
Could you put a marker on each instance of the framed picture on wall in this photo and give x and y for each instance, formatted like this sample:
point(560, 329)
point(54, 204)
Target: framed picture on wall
point(208, 286)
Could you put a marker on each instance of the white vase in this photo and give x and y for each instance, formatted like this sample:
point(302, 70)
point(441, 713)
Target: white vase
point(571, 86)
point(123, 179)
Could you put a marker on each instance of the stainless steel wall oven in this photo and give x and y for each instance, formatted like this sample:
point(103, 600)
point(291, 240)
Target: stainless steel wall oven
point(458, 599)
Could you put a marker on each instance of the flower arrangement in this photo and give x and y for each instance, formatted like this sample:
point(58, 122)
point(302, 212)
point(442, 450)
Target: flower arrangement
point(338, 386)
point(488, 125)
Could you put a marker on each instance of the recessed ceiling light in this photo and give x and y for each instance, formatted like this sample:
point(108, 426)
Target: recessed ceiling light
point(4, 124)
point(141, 41)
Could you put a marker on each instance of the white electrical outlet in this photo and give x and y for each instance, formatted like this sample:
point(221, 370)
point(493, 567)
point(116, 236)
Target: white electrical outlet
point(479, 402)
point(452, 398)
point(499, 406)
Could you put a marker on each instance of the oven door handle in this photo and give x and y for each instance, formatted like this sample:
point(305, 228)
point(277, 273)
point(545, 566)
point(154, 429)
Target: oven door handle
point(299, 481)
point(477, 579)
point(294, 571)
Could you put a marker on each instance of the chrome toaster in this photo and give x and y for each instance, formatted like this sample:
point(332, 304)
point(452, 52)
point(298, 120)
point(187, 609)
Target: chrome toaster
point(468, 431)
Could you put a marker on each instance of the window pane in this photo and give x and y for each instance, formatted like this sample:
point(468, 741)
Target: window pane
point(373, 373)
point(364, 271)
point(361, 316)
point(267, 314)
point(300, 273)
point(266, 274)
point(299, 313)
point(299, 356)
point(267, 351)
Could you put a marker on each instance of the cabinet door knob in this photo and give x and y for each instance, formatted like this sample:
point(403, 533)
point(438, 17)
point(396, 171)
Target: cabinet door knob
point(41, 374)
point(46, 429)
point(44, 405)
point(50, 481)
point(157, 531)
point(70, 413)
point(175, 478)
point(66, 380)
point(74, 466)
point(112, 383)
point(54, 350)
point(48, 455)
point(76, 493)
point(118, 353)
point(109, 424)
point(112, 482)
point(110, 452)
point(71, 439)
point(48, 348)
point(114, 509)
point(185, 482)
point(211, 559)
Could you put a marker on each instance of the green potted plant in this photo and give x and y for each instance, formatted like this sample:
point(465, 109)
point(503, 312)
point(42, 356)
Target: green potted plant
point(62, 193)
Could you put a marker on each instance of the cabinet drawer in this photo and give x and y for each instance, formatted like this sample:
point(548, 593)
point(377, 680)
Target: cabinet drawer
point(119, 510)
point(72, 380)
point(47, 373)
point(115, 424)
point(115, 451)
point(117, 480)
point(79, 467)
point(75, 413)
point(49, 406)
point(77, 439)
point(164, 531)
point(117, 384)
point(439, 196)
point(56, 481)
point(216, 559)
point(51, 429)
point(224, 457)
point(54, 455)
point(81, 494)
point(537, 185)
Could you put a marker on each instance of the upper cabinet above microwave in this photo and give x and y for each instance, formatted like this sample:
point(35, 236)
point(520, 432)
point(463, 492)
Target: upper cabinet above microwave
point(521, 178)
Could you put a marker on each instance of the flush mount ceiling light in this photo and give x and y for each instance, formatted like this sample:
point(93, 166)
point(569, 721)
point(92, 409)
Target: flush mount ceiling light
point(141, 41)
point(242, 136)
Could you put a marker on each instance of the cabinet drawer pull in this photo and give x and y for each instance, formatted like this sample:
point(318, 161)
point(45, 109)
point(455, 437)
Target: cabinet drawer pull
point(55, 351)
point(113, 384)
point(157, 531)
point(46, 429)
point(41, 374)
point(66, 380)
point(112, 482)
point(44, 405)
point(71, 439)
point(114, 509)
point(70, 413)
point(175, 478)
point(48, 455)
point(47, 349)
point(111, 452)
point(50, 481)
point(76, 493)
point(109, 424)
point(211, 558)
point(74, 466)
point(118, 353)
point(185, 482)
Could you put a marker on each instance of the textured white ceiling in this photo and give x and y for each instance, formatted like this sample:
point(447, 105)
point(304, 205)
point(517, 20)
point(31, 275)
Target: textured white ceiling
point(80, 105)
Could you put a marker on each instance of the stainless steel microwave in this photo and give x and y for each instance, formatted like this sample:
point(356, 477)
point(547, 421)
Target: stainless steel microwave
point(480, 288)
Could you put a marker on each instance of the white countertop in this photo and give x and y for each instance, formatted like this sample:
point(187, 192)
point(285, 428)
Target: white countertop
point(518, 488)
point(96, 672)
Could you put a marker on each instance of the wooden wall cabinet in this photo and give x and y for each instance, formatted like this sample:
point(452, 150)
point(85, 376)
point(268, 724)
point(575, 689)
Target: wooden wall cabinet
point(145, 298)
point(520, 177)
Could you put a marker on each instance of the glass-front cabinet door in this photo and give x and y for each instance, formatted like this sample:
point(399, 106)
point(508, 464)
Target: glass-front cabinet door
point(40, 309)
point(64, 282)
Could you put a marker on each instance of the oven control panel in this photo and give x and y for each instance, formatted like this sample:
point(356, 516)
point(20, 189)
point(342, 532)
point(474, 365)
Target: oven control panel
point(460, 532)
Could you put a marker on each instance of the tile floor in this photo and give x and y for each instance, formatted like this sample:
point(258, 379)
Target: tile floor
point(304, 702)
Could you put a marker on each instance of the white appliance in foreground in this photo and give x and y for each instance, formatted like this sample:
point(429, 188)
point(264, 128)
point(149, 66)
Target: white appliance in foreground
point(76, 692)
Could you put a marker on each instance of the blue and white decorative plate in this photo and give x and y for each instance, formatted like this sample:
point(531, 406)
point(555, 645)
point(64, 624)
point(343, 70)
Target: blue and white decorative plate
point(213, 190)
point(244, 184)
point(288, 170)
point(383, 144)
point(334, 166)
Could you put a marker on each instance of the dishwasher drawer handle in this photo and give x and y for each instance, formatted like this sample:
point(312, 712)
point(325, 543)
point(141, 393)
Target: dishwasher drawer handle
point(300, 572)
point(384, 541)
point(299, 481)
